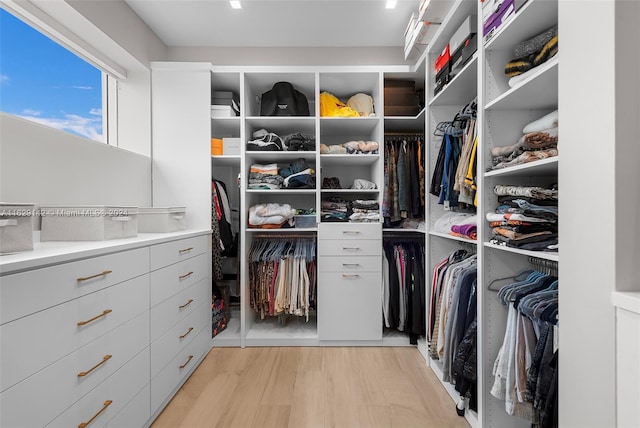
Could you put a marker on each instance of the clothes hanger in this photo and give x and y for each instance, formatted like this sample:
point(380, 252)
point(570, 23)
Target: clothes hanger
point(517, 277)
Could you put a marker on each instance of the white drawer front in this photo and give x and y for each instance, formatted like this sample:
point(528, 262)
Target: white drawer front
point(136, 413)
point(178, 336)
point(47, 336)
point(360, 247)
point(172, 252)
point(350, 231)
point(176, 308)
point(110, 397)
point(59, 385)
point(163, 384)
point(349, 306)
point(349, 264)
point(172, 279)
point(32, 291)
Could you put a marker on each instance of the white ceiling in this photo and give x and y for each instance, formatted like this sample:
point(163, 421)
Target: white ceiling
point(282, 23)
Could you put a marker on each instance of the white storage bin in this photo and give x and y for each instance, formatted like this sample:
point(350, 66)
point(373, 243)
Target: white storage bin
point(16, 227)
point(170, 219)
point(88, 223)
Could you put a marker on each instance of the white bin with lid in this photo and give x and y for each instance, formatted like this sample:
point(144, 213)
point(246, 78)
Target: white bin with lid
point(161, 219)
point(88, 222)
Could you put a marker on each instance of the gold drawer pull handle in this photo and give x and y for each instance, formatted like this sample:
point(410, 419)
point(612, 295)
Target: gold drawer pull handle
point(186, 362)
point(187, 333)
point(86, 278)
point(186, 250)
point(352, 232)
point(105, 312)
point(104, 360)
point(104, 407)
point(350, 264)
point(350, 275)
point(186, 304)
point(351, 248)
point(185, 275)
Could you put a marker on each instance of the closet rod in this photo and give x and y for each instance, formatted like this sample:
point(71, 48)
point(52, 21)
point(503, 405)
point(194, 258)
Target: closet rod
point(408, 134)
point(310, 234)
point(546, 266)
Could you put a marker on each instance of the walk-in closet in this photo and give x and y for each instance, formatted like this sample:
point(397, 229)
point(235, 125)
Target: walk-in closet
point(372, 232)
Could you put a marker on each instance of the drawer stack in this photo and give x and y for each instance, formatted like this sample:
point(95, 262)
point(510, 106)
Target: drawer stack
point(180, 301)
point(349, 281)
point(75, 342)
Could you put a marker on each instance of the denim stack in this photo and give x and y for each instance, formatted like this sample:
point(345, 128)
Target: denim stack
point(525, 218)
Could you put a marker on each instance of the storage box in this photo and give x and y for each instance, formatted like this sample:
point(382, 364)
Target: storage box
point(16, 227)
point(305, 221)
point(88, 223)
point(468, 27)
point(442, 60)
point(504, 12)
point(442, 78)
point(221, 111)
point(230, 146)
point(161, 220)
point(463, 55)
point(217, 147)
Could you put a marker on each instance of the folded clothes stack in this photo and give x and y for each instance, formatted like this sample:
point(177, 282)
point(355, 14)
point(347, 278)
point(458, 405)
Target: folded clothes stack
point(334, 208)
point(540, 141)
point(264, 177)
point(298, 175)
point(350, 147)
point(531, 54)
point(365, 210)
point(298, 141)
point(526, 218)
point(271, 216)
point(462, 225)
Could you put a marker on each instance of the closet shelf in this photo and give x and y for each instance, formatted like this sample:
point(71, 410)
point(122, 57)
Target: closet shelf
point(401, 230)
point(230, 336)
point(539, 254)
point(536, 92)
point(276, 156)
point(348, 160)
point(403, 118)
point(454, 238)
point(457, 14)
point(346, 191)
point(283, 191)
point(282, 125)
point(405, 123)
point(462, 89)
point(226, 160)
point(533, 18)
point(296, 332)
point(291, 230)
point(436, 366)
point(343, 126)
point(547, 166)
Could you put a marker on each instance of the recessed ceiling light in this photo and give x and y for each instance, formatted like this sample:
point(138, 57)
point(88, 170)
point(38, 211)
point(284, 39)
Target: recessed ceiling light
point(391, 4)
point(235, 4)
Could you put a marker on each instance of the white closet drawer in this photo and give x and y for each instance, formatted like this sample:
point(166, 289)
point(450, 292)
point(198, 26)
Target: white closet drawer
point(32, 291)
point(59, 385)
point(177, 370)
point(170, 280)
point(349, 306)
point(360, 247)
point(109, 398)
point(176, 308)
point(172, 252)
point(350, 231)
point(348, 264)
point(136, 413)
point(178, 337)
point(47, 336)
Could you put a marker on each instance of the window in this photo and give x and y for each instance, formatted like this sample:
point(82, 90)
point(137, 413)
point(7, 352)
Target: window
point(44, 82)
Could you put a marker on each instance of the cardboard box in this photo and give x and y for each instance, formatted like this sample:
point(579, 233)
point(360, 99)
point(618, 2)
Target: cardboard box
point(88, 223)
point(222, 111)
point(504, 13)
point(466, 29)
point(16, 227)
point(230, 146)
point(161, 220)
point(217, 147)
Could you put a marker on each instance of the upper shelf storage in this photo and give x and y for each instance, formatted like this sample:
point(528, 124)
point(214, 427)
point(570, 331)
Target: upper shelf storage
point(347, 84)
point(462, 88)
point(257, 84)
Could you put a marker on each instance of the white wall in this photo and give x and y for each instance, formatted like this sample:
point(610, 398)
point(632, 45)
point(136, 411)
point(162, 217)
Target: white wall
point(42, 165)
point(588, 209)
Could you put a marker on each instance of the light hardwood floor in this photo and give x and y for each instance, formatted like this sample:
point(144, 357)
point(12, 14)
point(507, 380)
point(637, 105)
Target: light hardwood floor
point(311, 387)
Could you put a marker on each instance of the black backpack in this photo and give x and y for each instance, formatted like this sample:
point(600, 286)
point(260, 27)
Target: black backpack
point(284, 100)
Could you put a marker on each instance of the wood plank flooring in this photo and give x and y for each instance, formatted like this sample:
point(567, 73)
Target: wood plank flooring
point(311, 387)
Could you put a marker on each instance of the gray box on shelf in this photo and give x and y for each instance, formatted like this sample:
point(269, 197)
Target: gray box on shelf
point(16, 227)
point(161, 220)
point(305, 221)
point(88, 223)
point(230, 146)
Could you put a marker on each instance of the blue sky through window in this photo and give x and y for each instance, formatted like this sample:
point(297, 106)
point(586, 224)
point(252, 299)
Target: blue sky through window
point(46, 83)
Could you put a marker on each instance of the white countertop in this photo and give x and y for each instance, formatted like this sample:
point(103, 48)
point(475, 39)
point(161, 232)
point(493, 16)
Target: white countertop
point(629, 300)
point(55, 252)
